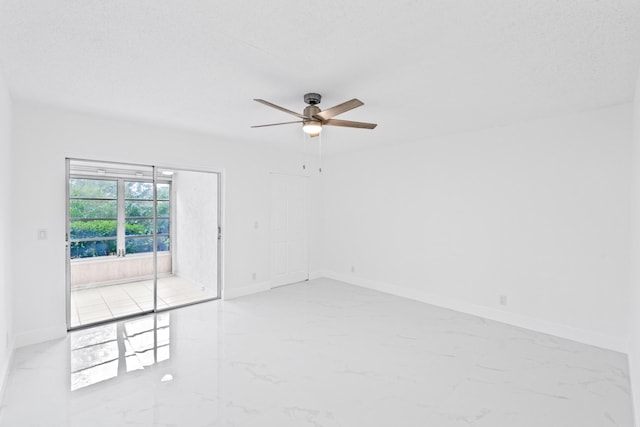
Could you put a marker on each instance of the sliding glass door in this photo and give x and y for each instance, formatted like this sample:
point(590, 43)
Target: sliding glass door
point(196, 243)
point(139, 239)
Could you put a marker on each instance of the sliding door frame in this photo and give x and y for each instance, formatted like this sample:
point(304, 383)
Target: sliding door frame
point(219, 241)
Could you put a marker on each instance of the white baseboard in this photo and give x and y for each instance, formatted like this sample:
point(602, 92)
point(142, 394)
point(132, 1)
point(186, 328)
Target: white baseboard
point(254, 288)
point(316, 274)
point(634, 377)
point(37, 336)
point(615, 343)
point(245, 290)
point(5, 369)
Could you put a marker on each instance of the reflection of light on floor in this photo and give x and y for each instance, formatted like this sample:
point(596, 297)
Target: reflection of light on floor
point(104, 352)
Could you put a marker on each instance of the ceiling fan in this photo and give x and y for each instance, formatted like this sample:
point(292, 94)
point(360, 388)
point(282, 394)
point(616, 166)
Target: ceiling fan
point(313, 118)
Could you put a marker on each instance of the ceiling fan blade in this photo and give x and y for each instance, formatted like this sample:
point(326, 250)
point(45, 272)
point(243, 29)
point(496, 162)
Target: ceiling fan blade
point(278, 124)
point(277, 107)
point(339, 109)
point(349, 124)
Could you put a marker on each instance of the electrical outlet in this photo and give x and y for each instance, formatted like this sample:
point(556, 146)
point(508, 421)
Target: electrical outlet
point(503, 300)
point(253, 276)
point(42, 234)
point(353, 268)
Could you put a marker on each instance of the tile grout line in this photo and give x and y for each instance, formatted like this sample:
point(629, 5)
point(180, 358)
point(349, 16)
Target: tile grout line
point(124, 289)
point(172, 289)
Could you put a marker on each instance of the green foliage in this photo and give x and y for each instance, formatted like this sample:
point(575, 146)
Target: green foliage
point(92, 208)
point(93, 229)
point(93, 188)
point(144, 209)
point(139, 213)
point(138, 190)
point(108, 228)
point(163, 243)
point(163, 226)
point(138, 227)
point(93, 249)
point(139, 245)
point(163, 209)
point(136, 245)
point(163, 192)
point(138, 209)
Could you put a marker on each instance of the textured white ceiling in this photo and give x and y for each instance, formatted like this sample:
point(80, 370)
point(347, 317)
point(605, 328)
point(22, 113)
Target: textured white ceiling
point(423, 68)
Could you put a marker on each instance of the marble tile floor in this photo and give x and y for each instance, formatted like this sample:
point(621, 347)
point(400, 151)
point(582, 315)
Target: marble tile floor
point(319, 353)
point(110, 302)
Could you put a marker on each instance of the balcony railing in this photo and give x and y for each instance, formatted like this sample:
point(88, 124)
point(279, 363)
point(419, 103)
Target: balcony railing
point(109, 270)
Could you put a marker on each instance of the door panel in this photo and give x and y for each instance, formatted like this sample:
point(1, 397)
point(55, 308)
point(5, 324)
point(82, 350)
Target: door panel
point(289, 248)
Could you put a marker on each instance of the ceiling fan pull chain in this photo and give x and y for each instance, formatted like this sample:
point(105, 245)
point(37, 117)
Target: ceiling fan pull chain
point(305, 151)
point(320, 153)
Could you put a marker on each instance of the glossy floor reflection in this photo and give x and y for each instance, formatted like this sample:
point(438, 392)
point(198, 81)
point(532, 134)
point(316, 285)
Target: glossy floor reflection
point(320, 353)
point(104, 352)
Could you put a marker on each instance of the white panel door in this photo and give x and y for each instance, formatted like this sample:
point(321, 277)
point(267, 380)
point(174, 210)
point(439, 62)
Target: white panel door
point(289, 241)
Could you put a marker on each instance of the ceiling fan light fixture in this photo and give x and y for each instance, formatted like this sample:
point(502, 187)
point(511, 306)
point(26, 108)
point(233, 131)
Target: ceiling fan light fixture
point(312, 127)
point(313, 119)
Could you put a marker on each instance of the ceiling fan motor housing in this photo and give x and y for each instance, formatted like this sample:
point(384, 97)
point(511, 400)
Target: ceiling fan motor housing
point(310, 111)
point(312, 98)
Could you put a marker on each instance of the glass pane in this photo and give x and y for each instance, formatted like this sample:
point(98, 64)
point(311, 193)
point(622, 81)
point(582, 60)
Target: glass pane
point(163, 209)
point(138, 190)
point(163, 226)
point(138, 209)
point(139, 227)
point(93, 188)
point(93, 249)
point(137, 245)
point(163, 191)
point(163, 243)
point(79, 208)
point(92, 229)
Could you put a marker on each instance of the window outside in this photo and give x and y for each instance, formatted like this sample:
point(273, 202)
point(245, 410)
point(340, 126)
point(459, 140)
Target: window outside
point(95, 217)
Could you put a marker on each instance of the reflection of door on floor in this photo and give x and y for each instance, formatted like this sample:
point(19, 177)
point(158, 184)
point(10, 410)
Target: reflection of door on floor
point(139, 239)
point(289, 247)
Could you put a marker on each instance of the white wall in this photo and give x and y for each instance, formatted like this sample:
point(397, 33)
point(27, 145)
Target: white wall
point(316, 217)
point(5, 233)
point(195, 250)
point(634, 324)
point(536, 211)
point(44, 136)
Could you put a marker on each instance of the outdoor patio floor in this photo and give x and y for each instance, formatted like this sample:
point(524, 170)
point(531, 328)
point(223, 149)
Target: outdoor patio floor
point(98, 304)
